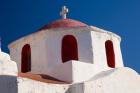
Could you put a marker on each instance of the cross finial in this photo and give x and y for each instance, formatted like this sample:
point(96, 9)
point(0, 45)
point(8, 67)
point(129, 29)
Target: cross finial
point(64, 12)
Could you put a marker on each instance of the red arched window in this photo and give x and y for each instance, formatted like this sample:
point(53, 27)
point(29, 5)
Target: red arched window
point(26, 59)
point(110, 54)
point(69, 48)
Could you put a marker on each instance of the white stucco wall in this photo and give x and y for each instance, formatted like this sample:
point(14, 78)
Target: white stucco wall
point(117, 80)
point(7, 66)
point(120, 80)
point(46, 52)
point(31, 86)
point(72, 71)
point(99, 37)
point(46, 48)
point(37, 42)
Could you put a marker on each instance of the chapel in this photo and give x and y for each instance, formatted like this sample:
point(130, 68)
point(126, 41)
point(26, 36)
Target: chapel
point(68, 50)
point(67, 56)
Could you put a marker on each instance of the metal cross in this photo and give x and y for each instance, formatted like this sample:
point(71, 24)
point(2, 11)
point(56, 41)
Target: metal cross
point(64, 12)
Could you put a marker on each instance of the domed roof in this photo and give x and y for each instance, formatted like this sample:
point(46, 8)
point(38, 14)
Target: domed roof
point(64, 23)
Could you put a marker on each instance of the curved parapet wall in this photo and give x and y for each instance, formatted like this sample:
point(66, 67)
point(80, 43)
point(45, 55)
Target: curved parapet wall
point(7, 66)
point(120, 80)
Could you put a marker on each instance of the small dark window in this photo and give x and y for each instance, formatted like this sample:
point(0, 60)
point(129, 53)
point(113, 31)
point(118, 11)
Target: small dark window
point(69, 48)
point(26, 59)
point(110, 54)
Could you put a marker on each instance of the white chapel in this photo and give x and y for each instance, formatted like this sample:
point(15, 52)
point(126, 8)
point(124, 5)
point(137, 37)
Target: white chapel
point(69, 56)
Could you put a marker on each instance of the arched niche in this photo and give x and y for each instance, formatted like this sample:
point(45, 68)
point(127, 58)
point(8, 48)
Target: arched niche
point(69, 48)
point(26, 58)
point(110, 55)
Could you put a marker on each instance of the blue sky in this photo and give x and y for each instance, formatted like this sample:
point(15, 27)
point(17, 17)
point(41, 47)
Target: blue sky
point(21, 17)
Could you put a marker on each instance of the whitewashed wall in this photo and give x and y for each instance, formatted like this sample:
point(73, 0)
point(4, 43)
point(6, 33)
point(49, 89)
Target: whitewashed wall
point(31, 86)
point(120, 80)
point(46, 48)
point(37, 44)
point(99, 37)
point(46, 51)
point(7, 66)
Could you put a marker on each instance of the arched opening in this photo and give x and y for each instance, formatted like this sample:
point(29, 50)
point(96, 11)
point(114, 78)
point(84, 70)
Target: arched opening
point(69, 48)
point(110, 54)
point(26, 59)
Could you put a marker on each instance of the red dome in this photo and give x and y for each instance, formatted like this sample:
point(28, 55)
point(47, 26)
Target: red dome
point(64, 23)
